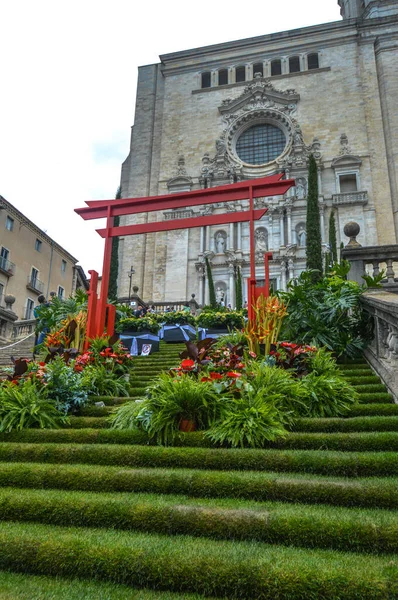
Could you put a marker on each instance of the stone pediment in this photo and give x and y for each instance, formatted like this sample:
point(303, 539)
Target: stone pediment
point(348, 160)
point(261, 94)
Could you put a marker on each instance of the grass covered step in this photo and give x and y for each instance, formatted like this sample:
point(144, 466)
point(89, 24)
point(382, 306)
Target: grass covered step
point(340, 464)
point(18, 586)
point(349, 442)
point(296, 488)
point(370, 388)
point(376, 397)
point(359, 410)
point(357, 530)
point(363, 380)
point(245, 570)
point(356, 424)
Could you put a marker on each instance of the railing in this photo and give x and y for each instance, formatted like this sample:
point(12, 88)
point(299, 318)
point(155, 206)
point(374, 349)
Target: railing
point(381, 258)
point(35, 284)
point(350, 198)
point(161, 307)
point(382, 353)
point(6, 267)
point(22, 329)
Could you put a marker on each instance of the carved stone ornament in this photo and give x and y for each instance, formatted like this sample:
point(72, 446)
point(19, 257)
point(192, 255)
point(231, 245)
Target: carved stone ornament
point(344, 147)
point(181, 182)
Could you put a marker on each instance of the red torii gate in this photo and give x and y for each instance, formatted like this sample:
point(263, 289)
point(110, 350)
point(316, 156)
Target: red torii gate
point(97, 209)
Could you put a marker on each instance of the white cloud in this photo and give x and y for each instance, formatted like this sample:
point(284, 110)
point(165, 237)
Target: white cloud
point(68, 74)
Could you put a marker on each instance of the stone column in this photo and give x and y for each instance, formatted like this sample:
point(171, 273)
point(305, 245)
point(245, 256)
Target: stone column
point(291, 269)
point(289, 223)
point(239, 241)
point(232, 297)
point(271, 230)
point(322, 216)
point(202, 239)
point(281, 228)
point(283, 275)
point(231, 236)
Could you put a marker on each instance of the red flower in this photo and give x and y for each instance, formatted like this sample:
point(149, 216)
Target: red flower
point(240, 366)
point(253, 354)
point(233, 374)
point(78, 368)
point(188, 364)
point(215, 376)
point(42, 364)
point(205, 379)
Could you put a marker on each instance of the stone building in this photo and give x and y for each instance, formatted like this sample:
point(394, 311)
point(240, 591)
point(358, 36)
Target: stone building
point(31, 263)
point(251, 108)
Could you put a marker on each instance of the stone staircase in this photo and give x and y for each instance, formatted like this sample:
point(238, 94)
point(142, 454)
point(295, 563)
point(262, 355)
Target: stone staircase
point(313, 516)
point(20, 349)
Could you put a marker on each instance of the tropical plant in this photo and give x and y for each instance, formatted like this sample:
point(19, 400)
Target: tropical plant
point(25, 404)
point(280, 386)
point(234, 338)
point(327, 395)
point(322, 362)
point(328, 313)
point(64, 385)
point(264, 328)
point(375, 281)
point(125, 416)
point(99, 380)
point(314, 241)
point(210, 282)
point(53, 314)
point(173, 399)
point(251, 420)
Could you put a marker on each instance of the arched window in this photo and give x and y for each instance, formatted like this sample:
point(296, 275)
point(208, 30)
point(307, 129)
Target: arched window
point(313, 61)
point(223, 77)
point(258, 68)
point(294, 64)
point(240, 74)
point(276, 67)
point(206, 79)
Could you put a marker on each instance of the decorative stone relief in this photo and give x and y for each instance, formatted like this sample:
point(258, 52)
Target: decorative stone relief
point(181, 182)
point(344, 147)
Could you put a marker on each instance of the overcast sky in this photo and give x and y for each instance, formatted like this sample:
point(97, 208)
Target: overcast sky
point(68, 74)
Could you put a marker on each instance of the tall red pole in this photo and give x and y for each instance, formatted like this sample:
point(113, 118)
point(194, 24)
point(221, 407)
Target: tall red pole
point(106, 269)
point(252, 280)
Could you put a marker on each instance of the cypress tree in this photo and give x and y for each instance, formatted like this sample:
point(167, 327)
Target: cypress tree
point(212, 291)
point(314, 242)
point(333, 237)
point(238, 288)
point(112, 293)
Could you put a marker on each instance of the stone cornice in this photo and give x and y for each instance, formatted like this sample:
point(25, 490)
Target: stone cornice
point(4, 204)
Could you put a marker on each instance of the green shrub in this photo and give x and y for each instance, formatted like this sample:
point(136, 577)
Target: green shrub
point(218, 319)
point(125, 417)
point(146, 323)
point(170, 400)
point(327, 395)
point(249, 420)
point(64, 386)
point(273, 381)
point(180, 317)
point(235, 338)
point(101, 381)
point(322, 363)
point(26, 405)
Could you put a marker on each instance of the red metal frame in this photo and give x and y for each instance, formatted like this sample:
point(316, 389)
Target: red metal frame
point(100, 313)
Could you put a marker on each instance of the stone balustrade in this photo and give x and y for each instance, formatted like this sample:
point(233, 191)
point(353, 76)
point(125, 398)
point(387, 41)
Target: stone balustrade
point(23, 328)
point(346, 198)
point(382, 353)
point(379, 257)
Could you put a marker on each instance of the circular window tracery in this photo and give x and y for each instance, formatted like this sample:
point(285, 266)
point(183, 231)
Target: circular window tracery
point(260, 144)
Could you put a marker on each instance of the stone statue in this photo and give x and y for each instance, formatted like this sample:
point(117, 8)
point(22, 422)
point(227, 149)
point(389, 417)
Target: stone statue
point(220, 243)
point(302, 237)
point(220, 295)
point(261, 241)
point(300, 188)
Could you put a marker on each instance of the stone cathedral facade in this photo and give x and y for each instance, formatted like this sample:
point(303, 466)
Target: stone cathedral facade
point(240, 110)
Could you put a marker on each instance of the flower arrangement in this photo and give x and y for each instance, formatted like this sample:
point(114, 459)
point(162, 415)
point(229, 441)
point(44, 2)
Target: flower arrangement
point(221, 319)
point(138, 324)
point(180, 317)
point(265, 327)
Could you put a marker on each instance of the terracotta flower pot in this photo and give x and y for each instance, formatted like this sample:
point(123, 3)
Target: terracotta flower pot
point(187, 425)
